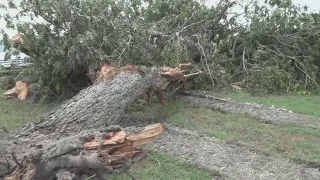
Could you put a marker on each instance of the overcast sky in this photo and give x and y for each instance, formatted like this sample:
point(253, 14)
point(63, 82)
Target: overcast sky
point(313, 4)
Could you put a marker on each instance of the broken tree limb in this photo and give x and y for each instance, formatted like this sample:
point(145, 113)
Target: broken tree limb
point(173, 76)
point(20, 91)
point(169, 75)
point(97, 106)
point(86, 153)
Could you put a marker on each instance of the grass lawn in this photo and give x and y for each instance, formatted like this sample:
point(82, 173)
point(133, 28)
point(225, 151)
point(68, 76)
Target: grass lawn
point(14, 113)
point(157, 166)
point(294, 142)
point(298, 103)
point(297, 143)
point(161, 166)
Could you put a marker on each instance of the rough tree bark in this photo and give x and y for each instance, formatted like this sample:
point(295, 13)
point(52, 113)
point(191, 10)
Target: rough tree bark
point(97, 107)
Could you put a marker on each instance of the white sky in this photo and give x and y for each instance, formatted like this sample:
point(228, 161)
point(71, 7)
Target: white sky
point(313, 4)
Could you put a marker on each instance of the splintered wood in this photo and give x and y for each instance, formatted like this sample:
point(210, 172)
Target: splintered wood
point(108, 72)
point(17, 40)
point(114, 150)
point(118, 147)
point(169, 74)
point(172, 74)
point(20, 91)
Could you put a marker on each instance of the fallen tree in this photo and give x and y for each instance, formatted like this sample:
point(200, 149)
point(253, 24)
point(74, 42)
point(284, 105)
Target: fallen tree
point(72, 137)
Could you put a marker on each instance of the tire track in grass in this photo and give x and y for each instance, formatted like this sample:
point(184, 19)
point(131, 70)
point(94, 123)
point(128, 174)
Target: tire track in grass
point(231, 161)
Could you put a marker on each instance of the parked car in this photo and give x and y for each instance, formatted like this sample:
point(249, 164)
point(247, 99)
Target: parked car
point(2, 58)
point(15, 60)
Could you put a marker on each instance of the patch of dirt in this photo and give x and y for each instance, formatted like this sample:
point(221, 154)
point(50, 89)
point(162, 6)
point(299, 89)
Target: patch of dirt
point(268, 114)
point(231, 161)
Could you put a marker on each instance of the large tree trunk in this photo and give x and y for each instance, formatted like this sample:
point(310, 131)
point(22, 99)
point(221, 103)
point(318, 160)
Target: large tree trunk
point(58, 132)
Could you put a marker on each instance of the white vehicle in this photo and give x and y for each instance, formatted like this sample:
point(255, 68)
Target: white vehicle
point(15, 60)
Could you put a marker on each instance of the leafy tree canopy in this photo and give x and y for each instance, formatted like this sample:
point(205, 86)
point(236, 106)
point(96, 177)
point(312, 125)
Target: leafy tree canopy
point(277, 51)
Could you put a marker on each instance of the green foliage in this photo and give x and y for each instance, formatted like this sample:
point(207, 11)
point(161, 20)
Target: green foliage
point(69, 38)
point(284, 51)
point(6, 72)
point(271, 80)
